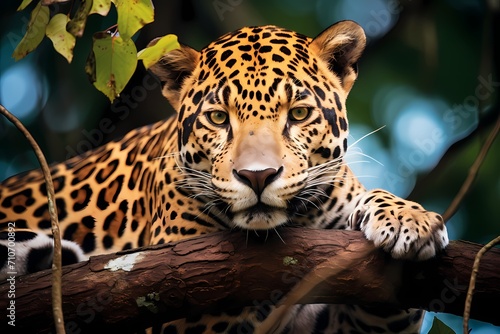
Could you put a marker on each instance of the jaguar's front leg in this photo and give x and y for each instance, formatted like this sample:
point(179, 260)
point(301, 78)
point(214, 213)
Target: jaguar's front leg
point(401, 227)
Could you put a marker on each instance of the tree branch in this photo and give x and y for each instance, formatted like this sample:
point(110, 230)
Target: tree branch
point(472, 283)
point(223, 270)
point(473, 171)
point(54, 222)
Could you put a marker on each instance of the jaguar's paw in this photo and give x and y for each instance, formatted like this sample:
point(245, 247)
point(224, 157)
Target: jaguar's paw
point(401, 227)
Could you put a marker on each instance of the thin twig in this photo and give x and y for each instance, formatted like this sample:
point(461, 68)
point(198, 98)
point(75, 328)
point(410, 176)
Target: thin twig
point(57, 258)
point(472, 282)
point(473, 171)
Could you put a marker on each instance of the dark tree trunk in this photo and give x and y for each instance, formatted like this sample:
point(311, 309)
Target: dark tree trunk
point(226, 270)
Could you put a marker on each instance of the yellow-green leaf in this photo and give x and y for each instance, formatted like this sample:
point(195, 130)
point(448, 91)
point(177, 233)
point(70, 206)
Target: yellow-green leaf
point(439, 327)
point(77, 24)
point(24, 4)
point(35, 32)
point(100, 7)
point(63, 41)
point(133, 15)
point(90, 66)
point(153, 53)
point(115, 62)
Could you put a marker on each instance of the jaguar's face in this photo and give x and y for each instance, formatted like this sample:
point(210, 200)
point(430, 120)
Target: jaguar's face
point(262, 121)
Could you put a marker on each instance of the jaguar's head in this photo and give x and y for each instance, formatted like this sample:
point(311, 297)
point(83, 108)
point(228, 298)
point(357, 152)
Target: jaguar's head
point(262, 121)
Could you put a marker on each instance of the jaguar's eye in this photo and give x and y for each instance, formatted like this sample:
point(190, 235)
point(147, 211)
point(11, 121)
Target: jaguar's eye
point(298, 114)
point(218, 117)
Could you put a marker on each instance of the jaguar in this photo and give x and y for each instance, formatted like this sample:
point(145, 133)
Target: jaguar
point(258, 142)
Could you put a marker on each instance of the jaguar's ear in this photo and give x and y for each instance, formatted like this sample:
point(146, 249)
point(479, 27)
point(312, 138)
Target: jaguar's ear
point(340, 46)
point(172, 69)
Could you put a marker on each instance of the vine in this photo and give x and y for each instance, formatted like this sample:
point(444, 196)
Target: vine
point(57, 257)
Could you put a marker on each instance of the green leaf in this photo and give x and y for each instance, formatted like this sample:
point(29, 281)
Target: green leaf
point(439, 327)
point(63, 41)
point(115, 62)
point(24, 4)
point(34, 33)
point(153, 53)
point(90, 67)
point(100, 7)
point(77, 24)
point(133, 15)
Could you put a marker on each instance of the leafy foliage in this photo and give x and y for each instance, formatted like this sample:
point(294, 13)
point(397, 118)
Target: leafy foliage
point(439, 327)
point(24, 4)
point(35, 32)
point(133, 15)
point(63, 41)
point(100, 7)
point(153, 53)
point(77, 24)
point(115, 62)
point(113, 58)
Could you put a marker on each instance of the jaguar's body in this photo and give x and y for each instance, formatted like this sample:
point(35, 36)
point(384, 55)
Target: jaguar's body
point(258, 143)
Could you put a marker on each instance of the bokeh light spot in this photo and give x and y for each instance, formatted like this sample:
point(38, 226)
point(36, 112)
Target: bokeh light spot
point(376, 17)
point(419, 136)
point(20, 90)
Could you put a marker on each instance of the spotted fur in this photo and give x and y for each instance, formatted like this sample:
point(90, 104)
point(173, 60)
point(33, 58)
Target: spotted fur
point(257, 143)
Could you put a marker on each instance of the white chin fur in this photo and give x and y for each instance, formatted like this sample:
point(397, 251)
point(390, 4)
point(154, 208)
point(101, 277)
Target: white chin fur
point(260, 220)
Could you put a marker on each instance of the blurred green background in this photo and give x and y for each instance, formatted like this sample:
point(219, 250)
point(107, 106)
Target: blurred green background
point(430, 75)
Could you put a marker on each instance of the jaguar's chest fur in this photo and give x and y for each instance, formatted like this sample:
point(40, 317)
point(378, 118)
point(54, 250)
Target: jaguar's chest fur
point(258, 143)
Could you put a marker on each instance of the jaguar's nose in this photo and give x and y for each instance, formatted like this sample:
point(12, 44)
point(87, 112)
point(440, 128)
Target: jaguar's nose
point(257, 179)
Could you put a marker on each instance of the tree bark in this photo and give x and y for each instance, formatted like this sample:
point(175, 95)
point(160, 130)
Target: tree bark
point(226, 270)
